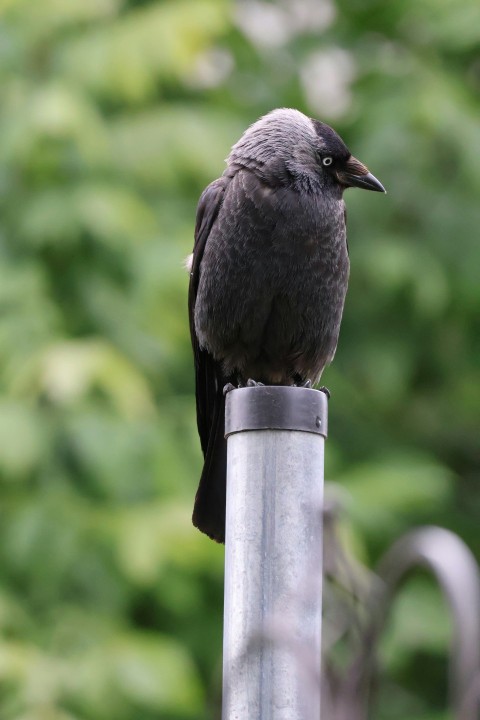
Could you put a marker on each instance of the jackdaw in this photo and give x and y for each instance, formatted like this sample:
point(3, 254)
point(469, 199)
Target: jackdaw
point(268, 275)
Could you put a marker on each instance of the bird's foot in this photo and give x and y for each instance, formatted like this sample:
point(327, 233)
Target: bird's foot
point(250, 383)
point(254, 383)
point(326, 391)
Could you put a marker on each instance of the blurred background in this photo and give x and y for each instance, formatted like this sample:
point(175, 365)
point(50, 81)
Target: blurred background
point(114, 115)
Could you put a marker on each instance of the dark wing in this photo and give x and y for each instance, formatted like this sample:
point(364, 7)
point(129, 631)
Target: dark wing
point(206, 369)
point(209, 508)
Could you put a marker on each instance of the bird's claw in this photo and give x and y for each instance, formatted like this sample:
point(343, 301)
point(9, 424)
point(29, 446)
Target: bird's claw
point(254, 383)
point(228, 388)
point(326, 391)
point(307, 384)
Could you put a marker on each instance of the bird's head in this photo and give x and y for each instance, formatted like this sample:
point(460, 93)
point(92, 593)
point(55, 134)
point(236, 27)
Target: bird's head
point(285, 145)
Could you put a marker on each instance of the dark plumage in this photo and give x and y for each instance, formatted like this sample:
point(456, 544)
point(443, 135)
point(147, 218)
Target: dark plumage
point(268, 275)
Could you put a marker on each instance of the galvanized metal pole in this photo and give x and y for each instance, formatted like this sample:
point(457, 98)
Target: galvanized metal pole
point(273, 553)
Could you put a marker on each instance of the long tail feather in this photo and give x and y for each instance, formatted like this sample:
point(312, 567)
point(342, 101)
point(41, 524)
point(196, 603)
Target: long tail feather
point(210, 500)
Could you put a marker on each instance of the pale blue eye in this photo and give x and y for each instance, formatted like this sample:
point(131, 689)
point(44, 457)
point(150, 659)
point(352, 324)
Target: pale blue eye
point(327, 161)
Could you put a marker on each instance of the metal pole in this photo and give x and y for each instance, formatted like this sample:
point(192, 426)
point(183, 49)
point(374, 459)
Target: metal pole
point(273, 553)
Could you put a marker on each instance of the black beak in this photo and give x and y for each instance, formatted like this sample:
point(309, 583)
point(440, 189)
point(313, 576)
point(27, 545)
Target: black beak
point(356, 174)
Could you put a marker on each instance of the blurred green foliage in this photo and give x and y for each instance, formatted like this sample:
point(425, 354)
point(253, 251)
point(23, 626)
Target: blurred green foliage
point(114, 115)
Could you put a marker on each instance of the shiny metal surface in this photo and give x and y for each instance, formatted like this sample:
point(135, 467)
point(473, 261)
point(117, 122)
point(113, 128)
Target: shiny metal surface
point(273, 573)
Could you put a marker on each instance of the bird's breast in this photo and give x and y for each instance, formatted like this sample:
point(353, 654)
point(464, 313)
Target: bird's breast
point(273, 278)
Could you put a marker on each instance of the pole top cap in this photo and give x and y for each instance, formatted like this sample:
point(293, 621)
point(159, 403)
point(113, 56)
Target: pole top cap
point(276, 407)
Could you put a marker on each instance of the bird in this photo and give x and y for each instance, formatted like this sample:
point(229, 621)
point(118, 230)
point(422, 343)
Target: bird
point(268, 275)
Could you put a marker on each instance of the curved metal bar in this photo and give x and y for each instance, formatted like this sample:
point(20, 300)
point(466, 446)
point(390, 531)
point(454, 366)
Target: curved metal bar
point(446, 556)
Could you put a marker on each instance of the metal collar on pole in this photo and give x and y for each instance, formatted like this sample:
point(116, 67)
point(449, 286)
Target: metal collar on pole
point(267, 407)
